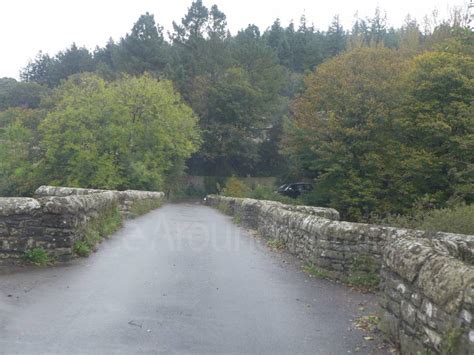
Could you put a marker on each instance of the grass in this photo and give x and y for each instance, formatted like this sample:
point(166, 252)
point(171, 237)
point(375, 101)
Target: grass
point(314, 272)
point(96, 230)
point(224, 208)
point(37, 256)
point(144, 206)
point(237, 218)
point(82, 249)
point(276, 244)
point(108, 223)
point(455, 219)
point(364, 272)
point(369, 280)
point(452, 341)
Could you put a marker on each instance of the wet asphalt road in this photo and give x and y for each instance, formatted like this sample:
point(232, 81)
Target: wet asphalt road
point(182, 279)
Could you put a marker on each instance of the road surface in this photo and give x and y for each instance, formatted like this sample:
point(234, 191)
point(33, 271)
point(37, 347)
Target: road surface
point(181, 279)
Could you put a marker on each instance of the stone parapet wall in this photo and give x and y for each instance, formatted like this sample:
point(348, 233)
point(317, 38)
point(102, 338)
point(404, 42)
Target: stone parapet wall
point(58, 217)
point(58, 191)
point(426, 278)
point(341, 249)
point(428, 295)
point(127, 199)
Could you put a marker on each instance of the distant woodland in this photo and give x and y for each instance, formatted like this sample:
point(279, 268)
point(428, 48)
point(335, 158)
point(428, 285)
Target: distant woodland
point(379, 118)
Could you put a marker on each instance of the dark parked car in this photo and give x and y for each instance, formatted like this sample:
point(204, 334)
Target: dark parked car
point(295, 189)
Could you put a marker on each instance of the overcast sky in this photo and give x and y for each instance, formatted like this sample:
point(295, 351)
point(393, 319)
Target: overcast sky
point(28, 26)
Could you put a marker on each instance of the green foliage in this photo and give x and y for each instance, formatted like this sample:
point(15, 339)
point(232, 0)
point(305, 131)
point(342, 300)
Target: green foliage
point(50, 71)
point(106, 224)
point(276, 244)
point(235, 188)
point(224, 208)
point(142, 50)
point(364, 272)
point(378, 130)
point(82, 249)
point(451, 343)
point(141, 207)
point(92, 236)
point(314, 272)
point(237, 218)
point(189, 192)
point(438, 127)
point(369, 280)
point(262, 192)
point(131, 133)
point(454, 219)
point(340, 135)
point(19, 152)
point(37, 256)
point(18, 94)
point(111, 222)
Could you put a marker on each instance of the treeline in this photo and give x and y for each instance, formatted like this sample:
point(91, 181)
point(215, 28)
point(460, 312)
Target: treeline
point(378, 116)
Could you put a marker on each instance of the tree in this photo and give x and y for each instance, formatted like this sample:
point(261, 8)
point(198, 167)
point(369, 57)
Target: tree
point(378, 28)
point(237, 107)
point(200, 47)
point(20, 94)
point(341, 132)
point(193, 24)
point(39, 70)
point(143, 50)
point(232, 125)
point(50, 71)
point(19, 151)
point(335, 38)
point(217, 26)
point(127, 134)
point(410, 37)
point(438, 126)
point(277, 39)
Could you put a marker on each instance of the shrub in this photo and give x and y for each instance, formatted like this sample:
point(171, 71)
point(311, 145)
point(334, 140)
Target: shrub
point(237, 218)
point(364, 272)
point(261, 192)
point(456, 219)
point(144, 206)
point(370, 281)
point(111, 223)
point(314, 272)
point(37, 256)
point(189, 192)
point(235, 188)
point(276, 244)
point(82, 249)
point(97, 229)
point(224, 208)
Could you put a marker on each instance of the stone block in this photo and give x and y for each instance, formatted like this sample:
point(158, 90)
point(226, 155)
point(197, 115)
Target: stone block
point(408, 312)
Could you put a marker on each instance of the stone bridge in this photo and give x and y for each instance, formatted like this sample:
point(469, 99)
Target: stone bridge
point(183, 279)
